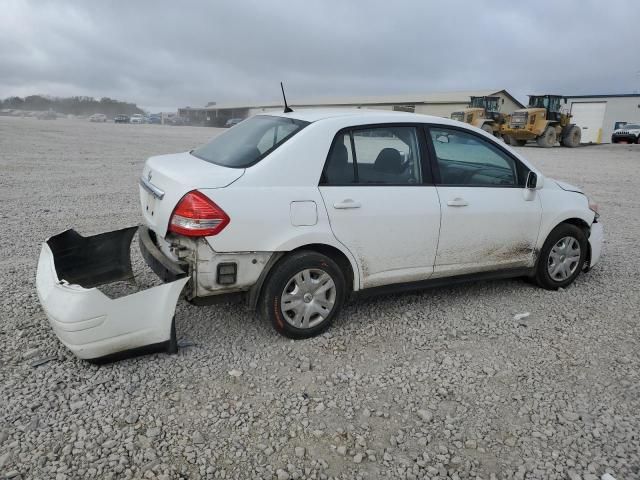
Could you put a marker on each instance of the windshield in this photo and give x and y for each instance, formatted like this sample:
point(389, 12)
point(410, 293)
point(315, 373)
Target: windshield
point(549, 101)
point(630, 126)
point(249, 141)
point(539, 102)
point(492, 105)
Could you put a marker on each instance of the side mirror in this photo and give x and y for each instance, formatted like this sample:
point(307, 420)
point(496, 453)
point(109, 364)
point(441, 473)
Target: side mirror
point(534, 181)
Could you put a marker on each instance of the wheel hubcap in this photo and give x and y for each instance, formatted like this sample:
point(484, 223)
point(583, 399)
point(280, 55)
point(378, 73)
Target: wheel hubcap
point(308, 298)
point(563, 259)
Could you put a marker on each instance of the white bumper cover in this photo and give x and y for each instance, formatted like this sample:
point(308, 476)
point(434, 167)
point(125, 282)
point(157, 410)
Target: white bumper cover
point(93, 326)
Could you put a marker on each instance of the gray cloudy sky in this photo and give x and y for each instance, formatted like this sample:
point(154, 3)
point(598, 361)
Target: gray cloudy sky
point(163, 54)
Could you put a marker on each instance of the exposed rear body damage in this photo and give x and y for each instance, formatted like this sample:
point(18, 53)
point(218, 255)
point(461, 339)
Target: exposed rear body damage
point(88, 322)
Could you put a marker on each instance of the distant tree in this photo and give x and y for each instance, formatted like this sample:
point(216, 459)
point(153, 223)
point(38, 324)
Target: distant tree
point(80, 105)
point(13, 102)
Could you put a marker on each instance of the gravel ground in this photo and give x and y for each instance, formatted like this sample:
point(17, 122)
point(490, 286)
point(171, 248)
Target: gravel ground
point(438, 384)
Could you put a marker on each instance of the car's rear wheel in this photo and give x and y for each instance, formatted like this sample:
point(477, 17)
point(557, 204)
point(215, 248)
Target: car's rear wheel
point(303, 294)
point(562, 257)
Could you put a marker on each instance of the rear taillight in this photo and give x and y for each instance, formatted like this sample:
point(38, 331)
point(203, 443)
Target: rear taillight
point(197, 216)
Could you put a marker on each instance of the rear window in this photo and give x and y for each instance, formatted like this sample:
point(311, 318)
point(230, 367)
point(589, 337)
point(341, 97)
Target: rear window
point(249, 141)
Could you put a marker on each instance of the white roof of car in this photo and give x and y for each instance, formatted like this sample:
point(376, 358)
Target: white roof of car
point(363, 115)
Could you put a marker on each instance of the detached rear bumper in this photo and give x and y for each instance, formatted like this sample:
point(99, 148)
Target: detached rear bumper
point(88, 322)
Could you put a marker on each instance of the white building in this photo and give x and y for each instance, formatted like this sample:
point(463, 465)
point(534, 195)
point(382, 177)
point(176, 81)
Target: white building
point(598, 115)
point(439, 104)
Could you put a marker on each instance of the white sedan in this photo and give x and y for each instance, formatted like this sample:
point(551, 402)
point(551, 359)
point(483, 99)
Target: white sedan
point(298, 212)
point(137, 118)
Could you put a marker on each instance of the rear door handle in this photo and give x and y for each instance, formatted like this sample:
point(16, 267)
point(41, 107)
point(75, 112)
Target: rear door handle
point(457, 202)
point(346, 203)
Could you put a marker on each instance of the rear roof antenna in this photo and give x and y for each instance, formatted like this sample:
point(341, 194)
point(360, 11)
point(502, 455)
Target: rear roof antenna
point(287, 109)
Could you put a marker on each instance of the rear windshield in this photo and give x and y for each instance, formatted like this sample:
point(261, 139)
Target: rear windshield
point(249, 141)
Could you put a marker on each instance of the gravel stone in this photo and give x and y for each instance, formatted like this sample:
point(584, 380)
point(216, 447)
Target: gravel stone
point(425, 415)
point(197, 438)
point(551, 396)
point(282, 474)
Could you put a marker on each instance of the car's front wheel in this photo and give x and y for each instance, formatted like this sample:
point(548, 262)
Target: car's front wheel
point(303, 294)
point(562, 257)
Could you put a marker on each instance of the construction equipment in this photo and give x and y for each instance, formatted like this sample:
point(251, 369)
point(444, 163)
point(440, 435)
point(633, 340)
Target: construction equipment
point(484, 113)
point(544, 122)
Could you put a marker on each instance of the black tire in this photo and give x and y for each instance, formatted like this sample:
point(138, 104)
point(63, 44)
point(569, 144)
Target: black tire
point(638, 140)
point(280, 279)
point(543, 276)
point(571, 136)
point(548, 138)
point(487, 128)
point(518, 143)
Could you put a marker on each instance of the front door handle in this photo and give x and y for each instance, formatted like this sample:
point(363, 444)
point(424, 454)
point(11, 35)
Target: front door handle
point(346, 203)
point(457, 202)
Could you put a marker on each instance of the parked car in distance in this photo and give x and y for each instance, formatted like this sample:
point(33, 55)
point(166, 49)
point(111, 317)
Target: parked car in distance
point(371, 202)
point(628, 133)
point(98, 117)
point(137, 118)
point(47, 115)
point(176, 120)
point(232, 121)
point(154, 119)
point(121, 118)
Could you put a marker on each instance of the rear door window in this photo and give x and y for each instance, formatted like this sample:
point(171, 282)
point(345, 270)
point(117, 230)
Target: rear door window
point(340, 169)
point(388, 155)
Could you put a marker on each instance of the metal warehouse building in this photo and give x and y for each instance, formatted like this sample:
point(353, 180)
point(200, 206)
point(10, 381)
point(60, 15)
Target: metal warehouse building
point(438, 104)
point(598, 115)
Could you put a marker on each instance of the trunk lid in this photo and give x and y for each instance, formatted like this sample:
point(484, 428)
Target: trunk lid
point(167, 178)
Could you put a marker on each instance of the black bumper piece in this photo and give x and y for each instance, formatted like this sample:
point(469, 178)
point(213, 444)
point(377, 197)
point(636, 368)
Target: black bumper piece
point(95, 260)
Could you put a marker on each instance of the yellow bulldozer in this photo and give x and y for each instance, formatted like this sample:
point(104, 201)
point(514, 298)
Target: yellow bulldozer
point(542, 121)
point(484, 113)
